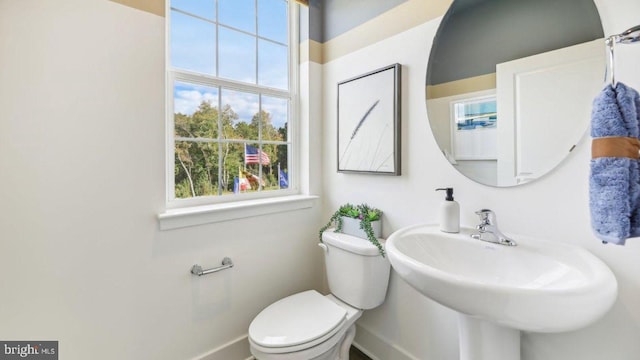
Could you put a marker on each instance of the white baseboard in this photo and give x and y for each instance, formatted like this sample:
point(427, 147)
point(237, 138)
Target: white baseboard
point(237, 349)
point(377, 347)
point(371, 344)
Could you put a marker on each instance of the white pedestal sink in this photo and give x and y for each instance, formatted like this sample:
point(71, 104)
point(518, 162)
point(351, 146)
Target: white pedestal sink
point(498, 290)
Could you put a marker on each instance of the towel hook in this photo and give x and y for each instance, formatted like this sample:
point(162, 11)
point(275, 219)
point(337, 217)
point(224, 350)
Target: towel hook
point(611, 43)
point(629, 36)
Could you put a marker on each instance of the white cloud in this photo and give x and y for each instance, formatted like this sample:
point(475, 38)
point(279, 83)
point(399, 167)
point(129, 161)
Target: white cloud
point(244, 104)
point(278, 109)
point(187, 101)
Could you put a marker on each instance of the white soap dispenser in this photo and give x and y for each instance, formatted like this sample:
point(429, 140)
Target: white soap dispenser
point(449, 216)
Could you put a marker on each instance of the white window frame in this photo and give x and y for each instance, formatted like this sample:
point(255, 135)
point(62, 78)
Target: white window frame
point(475, 140)
point(201, 204)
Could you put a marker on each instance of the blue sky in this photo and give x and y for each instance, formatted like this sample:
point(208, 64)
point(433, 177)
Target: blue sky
point(193, 47)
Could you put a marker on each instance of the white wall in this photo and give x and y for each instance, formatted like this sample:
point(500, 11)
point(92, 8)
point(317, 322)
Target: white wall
point(82, 156)
point(554, 207)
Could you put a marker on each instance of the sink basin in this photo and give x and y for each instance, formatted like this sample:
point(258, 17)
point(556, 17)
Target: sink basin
point(536, 286)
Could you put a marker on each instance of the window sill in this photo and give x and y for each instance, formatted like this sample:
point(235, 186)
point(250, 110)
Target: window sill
point(199, 215)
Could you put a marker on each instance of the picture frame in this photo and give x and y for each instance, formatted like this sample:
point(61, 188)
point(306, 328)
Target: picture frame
point(369, 123)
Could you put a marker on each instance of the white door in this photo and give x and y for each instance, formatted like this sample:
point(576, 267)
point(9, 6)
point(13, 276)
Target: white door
point(544, 102)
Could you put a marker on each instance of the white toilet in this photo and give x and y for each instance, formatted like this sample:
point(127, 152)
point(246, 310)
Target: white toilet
point(310, 326)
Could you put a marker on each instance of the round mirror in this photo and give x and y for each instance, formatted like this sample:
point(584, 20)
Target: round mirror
point(510, 85)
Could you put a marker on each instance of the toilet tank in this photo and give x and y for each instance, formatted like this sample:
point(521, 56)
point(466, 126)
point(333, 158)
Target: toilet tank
point(356, 272)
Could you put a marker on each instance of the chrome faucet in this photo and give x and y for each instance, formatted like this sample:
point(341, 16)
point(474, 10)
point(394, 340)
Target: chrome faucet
point(488, 229)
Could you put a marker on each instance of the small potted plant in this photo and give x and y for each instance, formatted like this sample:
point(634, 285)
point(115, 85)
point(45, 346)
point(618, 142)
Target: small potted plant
point(361, 221)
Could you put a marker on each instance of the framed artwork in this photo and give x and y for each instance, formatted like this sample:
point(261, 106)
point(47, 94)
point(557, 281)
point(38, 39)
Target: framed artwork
point(369, 122)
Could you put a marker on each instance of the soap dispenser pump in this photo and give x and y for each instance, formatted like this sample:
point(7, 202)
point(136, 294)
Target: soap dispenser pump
point(449, 213)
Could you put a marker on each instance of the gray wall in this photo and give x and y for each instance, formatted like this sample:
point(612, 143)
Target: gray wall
point(345, 15)
point(476, 35)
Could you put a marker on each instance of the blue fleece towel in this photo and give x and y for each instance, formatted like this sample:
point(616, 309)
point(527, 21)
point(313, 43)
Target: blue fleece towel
point(614, 184)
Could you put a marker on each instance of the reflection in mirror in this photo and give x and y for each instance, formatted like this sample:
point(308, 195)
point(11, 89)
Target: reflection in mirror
point(510, 85)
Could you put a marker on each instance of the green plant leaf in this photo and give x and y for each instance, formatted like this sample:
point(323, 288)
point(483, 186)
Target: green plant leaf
point(365, 213)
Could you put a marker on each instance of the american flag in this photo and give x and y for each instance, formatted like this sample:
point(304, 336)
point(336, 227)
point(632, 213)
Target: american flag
point(251, 156)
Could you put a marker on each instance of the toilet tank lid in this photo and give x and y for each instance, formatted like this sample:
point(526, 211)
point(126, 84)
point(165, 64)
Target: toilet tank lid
point(351, 243)
point(295, 320)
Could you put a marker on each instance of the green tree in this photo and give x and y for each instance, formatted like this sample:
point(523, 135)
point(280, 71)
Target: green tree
point(196, 163)
point(282, 150)
point(230, 164)
point(197, 168)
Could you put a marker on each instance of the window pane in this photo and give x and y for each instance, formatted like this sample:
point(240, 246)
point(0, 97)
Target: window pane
point(272, 20)
point(273, 65)
point(248, 175)
point(258, 165)
point(239, 115)
point(275, 172)
point(282, 161)
point(232, 165)
point(196, 111)
point(237, 56)
point(202, 8)
point(196, 169)
point(193, 43)
point(240, 14)
point(274, 118)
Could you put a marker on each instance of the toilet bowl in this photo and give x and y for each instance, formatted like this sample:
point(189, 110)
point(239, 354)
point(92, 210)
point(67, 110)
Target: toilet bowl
point(304, 326)
point(310, 326)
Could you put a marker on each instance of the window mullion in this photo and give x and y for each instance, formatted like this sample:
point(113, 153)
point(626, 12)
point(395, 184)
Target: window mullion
point(220, 129)
point(205, 80)
point(260, 140)
point(217, 54)
point(293, 135)
point(229, 141)
point(255, 3)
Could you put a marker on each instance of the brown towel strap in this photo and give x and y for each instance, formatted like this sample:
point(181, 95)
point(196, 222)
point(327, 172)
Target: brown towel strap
point(628, 147)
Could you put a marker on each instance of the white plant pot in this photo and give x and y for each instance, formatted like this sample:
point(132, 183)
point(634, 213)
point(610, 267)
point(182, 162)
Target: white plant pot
point(351, 226)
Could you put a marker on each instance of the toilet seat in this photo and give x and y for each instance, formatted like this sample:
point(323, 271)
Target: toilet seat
point(297, 322)
point(301, 352)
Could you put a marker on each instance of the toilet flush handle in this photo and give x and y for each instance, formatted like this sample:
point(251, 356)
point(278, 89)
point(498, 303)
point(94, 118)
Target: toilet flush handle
point(324, 247)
